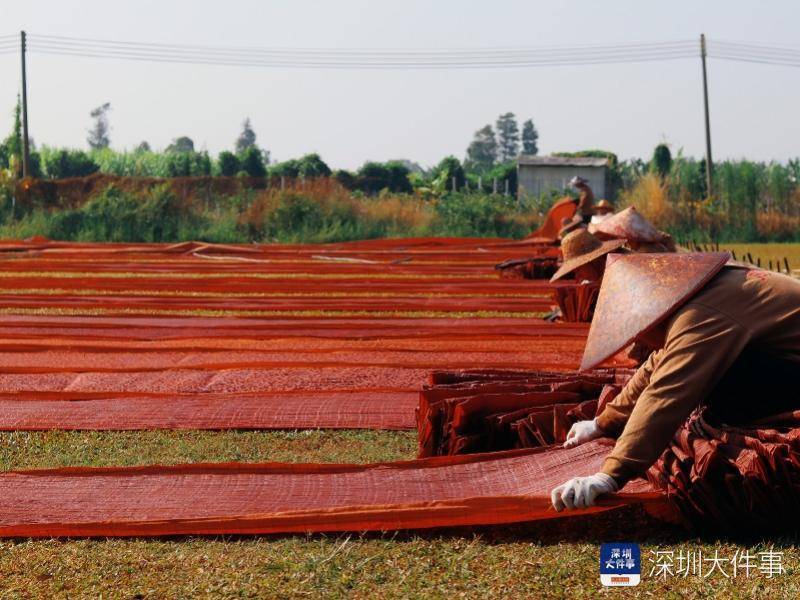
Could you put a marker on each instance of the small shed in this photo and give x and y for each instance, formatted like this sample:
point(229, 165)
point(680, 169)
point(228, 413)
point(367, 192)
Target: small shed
point(537, 175)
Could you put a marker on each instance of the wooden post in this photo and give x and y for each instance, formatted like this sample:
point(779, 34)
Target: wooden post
point(709, 161)
point(494, 185)
point(454, 183)
point(26, 153)
point(786, 264)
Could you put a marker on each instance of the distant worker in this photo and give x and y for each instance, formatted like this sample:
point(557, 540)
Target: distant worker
point(602, 212)
point(585, 256)
point(585, 199)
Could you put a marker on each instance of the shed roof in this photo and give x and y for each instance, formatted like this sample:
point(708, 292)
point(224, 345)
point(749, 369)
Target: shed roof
point(562, 161)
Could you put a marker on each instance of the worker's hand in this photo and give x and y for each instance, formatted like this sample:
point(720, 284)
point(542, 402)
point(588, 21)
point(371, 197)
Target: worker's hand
point(581, 492)
point(582, 432)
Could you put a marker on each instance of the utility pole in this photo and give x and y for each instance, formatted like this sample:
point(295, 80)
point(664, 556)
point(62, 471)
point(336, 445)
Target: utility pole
point(26, 154)
point(709, 161)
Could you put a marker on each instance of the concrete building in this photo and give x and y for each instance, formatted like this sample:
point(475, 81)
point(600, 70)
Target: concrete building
point(540, 174)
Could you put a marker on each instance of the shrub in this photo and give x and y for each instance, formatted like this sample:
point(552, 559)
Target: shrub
point(59, 164)
point(392, 176)
point(294, 215)
point(228, 164)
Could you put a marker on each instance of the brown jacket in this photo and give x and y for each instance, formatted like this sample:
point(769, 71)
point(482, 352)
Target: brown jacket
point(738, 308)
point(586, 201)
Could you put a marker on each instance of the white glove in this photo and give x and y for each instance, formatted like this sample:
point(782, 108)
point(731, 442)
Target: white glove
point(582, 432)
point(581, 492)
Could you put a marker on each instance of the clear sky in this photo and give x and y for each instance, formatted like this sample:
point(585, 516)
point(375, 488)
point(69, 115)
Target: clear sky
point(353, 116)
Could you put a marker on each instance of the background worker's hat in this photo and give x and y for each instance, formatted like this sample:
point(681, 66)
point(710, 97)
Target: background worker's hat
point(604, 204)
point(628, 224)
point(577, 180)
point(639, 291)
point(580, 247)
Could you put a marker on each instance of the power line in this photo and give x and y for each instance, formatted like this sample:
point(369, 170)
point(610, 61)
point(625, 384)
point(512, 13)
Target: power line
point(756, 53)
point(367, 51)
point(510, 57)
point(359, 65)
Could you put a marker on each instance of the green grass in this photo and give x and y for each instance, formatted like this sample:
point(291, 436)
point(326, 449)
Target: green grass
point(48, 449)
point(515, 561)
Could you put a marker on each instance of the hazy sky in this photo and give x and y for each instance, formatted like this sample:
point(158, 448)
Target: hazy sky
point(353, 116)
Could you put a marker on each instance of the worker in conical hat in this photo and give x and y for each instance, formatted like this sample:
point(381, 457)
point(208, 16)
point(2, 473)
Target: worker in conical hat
point(585, 255)
point(585, 199)
point(632, 226)
point(722, 335)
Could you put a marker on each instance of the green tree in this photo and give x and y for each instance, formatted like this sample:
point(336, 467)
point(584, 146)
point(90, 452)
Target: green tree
point(374, 177)
point(252, 162)
point(247, 138)
point(11, 148)
point(530, 138)
point(482, 151)
point(445, 171)
point(228, 164)
point(99, 132)
point(507, 137)
point(661, 163)
point(143, 147)
point(181, 144)
point(311, 165)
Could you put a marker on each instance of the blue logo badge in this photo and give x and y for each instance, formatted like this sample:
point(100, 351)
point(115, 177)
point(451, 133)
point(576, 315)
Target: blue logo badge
point(620, 564)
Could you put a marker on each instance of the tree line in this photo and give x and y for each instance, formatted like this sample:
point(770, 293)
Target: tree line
point(745, 191)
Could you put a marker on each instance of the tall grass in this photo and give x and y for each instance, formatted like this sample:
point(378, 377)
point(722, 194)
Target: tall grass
point(239, 209)
point(738, 213)
point(314, 211)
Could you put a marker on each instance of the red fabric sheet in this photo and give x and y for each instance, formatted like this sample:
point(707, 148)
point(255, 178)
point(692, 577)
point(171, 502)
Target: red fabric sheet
point(279, 498)
point(328, 410)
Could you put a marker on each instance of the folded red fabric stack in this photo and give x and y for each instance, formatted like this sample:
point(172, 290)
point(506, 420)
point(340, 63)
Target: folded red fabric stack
point(734, 479)
point(577, 301)
point(482, 411)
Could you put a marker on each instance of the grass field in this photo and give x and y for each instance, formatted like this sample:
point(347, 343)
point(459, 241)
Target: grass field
point(769, 252)
point(511, 561)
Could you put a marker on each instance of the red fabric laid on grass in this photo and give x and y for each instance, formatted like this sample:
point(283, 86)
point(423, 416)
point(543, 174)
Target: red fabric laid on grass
point(328, 410)
point(486, 489)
